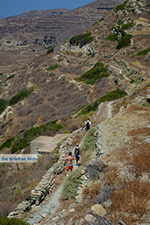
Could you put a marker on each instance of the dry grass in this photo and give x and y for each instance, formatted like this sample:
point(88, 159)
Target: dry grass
point(131, 200)
point(91, 191)
point(112, 175)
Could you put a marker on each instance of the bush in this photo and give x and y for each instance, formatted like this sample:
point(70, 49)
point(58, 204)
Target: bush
point(12, 221)
point(124, 41)
point(11, 76)
point(126, 26)
point(88, 143)
point(20, 96)
point(110, 96)
point(95, 74)
point(81, 39)
point(144, 52)
point(121, 7)
point(112, 37)
point(53, 67)
point(50, 51)
point(3, 105)
point(91, 191)
point(94, 168)
point(7, 143)
point(71, 184)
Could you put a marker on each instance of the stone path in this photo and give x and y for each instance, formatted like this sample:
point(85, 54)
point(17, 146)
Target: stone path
point(48, 207)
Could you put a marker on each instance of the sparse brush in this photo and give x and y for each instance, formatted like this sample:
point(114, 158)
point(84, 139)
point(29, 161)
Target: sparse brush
point(131, 200)
point(91, 191)
point(71, 184)
point(94, 168)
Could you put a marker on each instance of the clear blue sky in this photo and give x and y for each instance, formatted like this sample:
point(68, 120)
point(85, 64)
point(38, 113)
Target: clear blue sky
point(16, 7)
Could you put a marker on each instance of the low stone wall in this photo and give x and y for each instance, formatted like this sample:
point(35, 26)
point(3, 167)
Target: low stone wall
point(45, 186)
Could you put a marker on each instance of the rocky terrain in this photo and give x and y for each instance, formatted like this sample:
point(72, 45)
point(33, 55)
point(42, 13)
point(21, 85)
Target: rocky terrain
point(58, 86)
point(33, 33)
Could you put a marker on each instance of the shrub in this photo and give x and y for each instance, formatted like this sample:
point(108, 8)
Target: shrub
point(12, 221)
point(88, 143)
point(81, 39)
point(3, 105)
point(110, 96)
point(20, 96)
point(11, 76)
point(121, 6)
point(126, 26)
point(124, 41)
point(7, 143)
point(53, 67)
point(71, 184)
point(95, 74)
point(144, 52)
point(94, 168)
point(91, 191)
point(112, 37)
point(50, 51)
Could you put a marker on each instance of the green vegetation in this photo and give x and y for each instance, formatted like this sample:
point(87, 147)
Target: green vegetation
point(112, 37)
point(121, 7)
point(95, 74)
point(50, 51)
point(88, 143)
point(11, 76)
point(81, 39)
point(126, 26)
point(53, 67)
point(124, 41)
point(24, 140)
point(20, 96)
point(7, 143)
point(144, 52)
point(15, 99)
point(12, 221)
point(3, 105)
point(71, 184)
point(110, 96)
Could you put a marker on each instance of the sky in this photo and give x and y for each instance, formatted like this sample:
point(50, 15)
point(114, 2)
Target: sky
point(16, 7)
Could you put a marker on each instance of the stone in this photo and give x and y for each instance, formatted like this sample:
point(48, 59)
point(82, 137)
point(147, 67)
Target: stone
point(89, 218)
point(72, 210)
point(80, 222)
point(98, 209)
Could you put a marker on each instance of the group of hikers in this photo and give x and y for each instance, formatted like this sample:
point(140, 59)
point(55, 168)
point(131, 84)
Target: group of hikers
point(77, 152)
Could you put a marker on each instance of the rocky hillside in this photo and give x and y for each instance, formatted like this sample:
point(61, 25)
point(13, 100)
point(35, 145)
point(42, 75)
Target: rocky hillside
point(102, 74)
point(33, 33)
point(45, 88)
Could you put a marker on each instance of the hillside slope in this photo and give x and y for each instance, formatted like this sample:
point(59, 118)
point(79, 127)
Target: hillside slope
point(33, 33)
point(56, 89)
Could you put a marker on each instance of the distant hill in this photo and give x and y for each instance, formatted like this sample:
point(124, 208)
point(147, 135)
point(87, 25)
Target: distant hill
point(33, 33)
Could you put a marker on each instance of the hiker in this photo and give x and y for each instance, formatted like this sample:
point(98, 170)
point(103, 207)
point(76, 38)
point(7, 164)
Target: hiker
point(68, 162)
point(77, 154)
point(87, 124)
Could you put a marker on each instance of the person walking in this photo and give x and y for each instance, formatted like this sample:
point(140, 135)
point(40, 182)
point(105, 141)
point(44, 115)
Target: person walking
point(77, 154)
point(87, 124)
point(68, 162)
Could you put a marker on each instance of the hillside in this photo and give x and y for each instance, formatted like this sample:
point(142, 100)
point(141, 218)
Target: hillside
point(24, 36)
point(102, 74)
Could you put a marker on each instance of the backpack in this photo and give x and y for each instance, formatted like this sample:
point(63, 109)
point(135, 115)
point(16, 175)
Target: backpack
point(77, 152)
point(87, 125)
